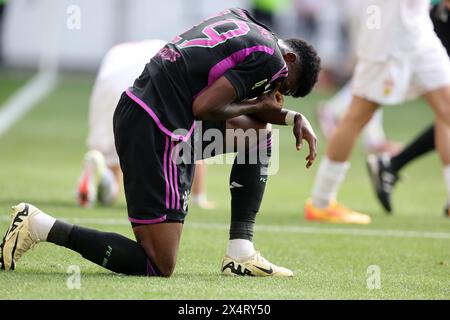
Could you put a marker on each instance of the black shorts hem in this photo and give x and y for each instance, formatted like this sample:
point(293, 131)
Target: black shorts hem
point(134, 224)
point(146, 217)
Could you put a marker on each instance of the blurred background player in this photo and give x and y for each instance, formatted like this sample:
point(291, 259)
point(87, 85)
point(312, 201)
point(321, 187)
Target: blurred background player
point(399, 57)
point(328, 113)
point(101, 176)
point(384, 169)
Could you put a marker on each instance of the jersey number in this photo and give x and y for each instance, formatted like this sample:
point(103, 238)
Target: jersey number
point(213, 37)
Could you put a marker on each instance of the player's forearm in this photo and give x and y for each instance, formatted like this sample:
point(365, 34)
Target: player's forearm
point(217, 103)
point(229, 111)
point(278, 117)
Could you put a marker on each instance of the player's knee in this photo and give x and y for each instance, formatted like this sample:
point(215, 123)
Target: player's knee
point(166, 267)
point(165, 263)
point(162, 259)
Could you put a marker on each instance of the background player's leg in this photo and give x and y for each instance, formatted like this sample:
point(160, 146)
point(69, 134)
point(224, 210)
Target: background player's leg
point(439, 100)
point(384, 170)
point(118, 178)
point(330, 111)
point(98, 181)
point(109, 187)
point(442, 141)
point(109, 184)
point(374, 137)
point(334, 166)
point(198, 195)
point(421, 145)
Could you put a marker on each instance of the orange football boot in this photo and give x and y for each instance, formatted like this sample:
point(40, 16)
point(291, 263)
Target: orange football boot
point(334, 213)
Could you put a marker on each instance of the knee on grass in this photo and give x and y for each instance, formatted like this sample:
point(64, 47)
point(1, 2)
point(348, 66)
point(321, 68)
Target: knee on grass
point(163, 261)
point(166, 268)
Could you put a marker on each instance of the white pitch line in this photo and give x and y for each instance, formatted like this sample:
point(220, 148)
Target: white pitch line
point(25, 98)
point(336, 231)
point(282, 229)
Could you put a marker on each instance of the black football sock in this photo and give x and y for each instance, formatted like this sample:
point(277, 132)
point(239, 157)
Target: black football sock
point(422, 144)
point(109, 250)
point(247, 184)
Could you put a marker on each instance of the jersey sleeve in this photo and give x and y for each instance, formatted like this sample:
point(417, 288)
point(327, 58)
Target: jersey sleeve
point(256, 75)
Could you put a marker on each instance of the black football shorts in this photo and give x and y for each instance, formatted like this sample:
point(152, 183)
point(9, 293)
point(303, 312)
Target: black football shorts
point(156, 182)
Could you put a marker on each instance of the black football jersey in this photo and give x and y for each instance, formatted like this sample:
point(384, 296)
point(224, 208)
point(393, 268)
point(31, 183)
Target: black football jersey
point(440, 16)
point(230, 44)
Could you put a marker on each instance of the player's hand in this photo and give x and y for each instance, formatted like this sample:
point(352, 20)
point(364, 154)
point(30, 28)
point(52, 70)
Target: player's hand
point(303, 131)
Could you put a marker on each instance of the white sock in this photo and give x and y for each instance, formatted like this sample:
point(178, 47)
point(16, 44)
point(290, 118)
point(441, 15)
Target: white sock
point(328, 179)
point(40, 225)
point(240, 248)
point(447, 181)
point(198, 198)
point(108, 188)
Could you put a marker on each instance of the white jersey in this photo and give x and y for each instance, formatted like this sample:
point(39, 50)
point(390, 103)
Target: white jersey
point(392, 27)
point(400, 58)
point(121, 65)
point(124, 62)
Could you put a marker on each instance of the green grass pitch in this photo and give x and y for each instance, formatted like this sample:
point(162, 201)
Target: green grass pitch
point(40, 160)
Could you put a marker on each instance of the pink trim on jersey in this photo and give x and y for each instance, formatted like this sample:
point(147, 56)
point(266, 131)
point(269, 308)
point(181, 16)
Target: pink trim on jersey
point(231, 61)
point(283, 73)
point(148, 221)
point(266, 144)
point(176, 176)
point(170, 175)
point(165, 172)
point(157, 121)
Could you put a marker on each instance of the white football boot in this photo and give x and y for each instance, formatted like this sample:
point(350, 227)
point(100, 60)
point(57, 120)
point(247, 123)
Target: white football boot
point(18, 238)
point(256, 266)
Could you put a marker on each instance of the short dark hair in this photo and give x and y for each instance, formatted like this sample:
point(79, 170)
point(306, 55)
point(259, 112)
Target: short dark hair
point(309, 66)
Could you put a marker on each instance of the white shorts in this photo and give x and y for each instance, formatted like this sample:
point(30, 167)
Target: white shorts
point(402, 77)
point(120, 67)
point(103, 102)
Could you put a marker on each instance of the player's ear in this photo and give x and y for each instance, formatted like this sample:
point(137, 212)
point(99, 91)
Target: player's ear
point(290, 57)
